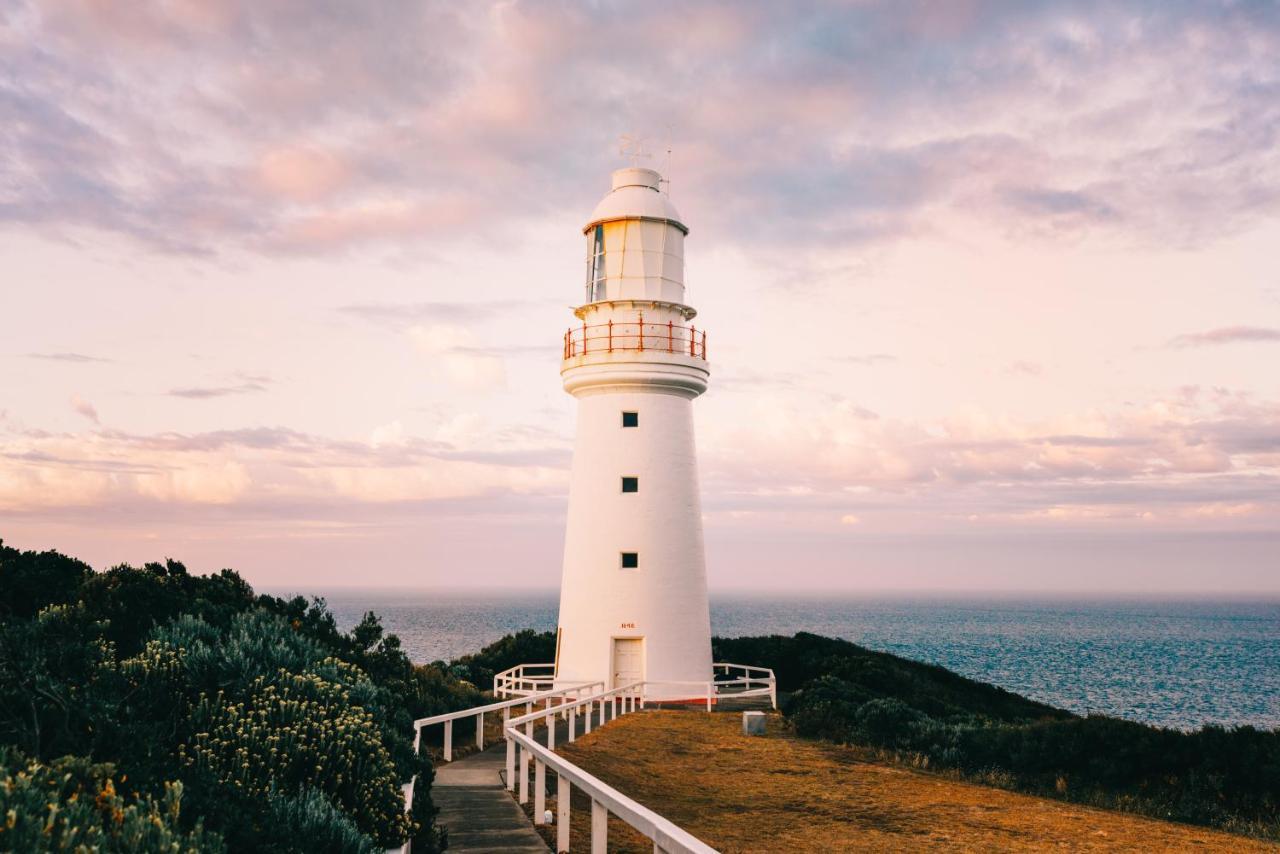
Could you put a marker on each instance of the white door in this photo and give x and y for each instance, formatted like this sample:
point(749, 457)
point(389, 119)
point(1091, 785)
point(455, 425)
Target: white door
point(628, 661)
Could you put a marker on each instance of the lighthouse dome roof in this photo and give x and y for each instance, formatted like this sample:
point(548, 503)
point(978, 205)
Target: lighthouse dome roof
point(635, 195)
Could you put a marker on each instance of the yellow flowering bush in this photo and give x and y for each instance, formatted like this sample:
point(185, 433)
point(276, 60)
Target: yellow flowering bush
point(72, 804)
point(301, 732)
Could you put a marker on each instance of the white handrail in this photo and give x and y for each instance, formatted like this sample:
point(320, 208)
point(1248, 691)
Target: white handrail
point(767, 684)
point(667, 836)
point(479, 712)
point(515, 680)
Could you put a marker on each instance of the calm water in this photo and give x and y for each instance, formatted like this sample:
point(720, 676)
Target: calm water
point(1171, 662)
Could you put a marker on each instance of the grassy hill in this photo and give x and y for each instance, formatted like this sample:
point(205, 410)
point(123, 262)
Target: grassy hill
point(930, 717)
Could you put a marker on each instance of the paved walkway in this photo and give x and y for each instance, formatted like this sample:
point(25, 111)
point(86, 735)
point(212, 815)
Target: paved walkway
point(476, 807)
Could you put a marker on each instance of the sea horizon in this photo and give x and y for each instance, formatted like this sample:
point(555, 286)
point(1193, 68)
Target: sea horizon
point(1167, 659)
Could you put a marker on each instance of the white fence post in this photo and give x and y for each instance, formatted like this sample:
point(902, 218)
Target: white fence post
point(599, 828)
point(511, 764)
point(524, 766)
point(480, 731)
point(448, 741)
point(539, 792)
point(573, 725)
point(562, 813)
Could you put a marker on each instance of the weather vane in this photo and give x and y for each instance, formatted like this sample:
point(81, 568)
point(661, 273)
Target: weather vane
point(632, 145)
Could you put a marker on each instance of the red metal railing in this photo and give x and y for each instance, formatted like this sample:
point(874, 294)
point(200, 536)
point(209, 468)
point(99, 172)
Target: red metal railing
point(658, 337)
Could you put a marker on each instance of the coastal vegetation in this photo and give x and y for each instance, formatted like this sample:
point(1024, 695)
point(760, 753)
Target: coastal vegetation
point(929, 717)
point(782, 792)
point(147, 709)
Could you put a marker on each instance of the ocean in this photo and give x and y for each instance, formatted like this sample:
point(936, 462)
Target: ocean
point(1171, 662)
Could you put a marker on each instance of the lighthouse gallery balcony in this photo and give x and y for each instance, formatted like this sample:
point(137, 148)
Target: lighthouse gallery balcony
point(614, 337)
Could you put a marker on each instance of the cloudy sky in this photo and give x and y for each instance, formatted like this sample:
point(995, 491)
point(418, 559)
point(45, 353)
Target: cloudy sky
point(991, 288)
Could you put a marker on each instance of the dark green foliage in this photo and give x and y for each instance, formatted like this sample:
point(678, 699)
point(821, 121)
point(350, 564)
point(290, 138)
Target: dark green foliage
point(848, 694)
point(31, 580)
point(284, 733)
point(72, 804)
point(524, 647)
point(798, 660)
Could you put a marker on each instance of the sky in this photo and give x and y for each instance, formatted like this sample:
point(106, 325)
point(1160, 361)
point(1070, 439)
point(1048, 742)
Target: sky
point(991, 288)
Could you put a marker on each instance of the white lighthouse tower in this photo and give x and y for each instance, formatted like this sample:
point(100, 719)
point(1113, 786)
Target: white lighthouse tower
point(633, 596)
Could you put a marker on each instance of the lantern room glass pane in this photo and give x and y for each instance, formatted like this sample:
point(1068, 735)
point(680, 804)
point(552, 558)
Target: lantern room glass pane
point(597, 266)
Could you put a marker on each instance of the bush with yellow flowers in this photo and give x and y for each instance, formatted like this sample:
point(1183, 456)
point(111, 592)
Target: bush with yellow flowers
point(71, 804)
point(301, 732)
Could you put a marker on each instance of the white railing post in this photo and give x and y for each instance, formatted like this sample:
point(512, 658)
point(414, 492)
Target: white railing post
point(573, 725)
point(601, 712)
point(562, 813)
point(586, 720)
point(599, 828)
point(539, 792)
point(524, 766)
point(448, 741)
point(551, 731)
point(506, 716)
point(480, 731)
point(511, 764)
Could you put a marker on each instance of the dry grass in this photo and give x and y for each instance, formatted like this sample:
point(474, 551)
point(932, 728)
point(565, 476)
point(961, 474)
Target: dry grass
point(780, 793)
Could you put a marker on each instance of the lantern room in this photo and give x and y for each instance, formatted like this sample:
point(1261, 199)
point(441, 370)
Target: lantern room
point(635, 242)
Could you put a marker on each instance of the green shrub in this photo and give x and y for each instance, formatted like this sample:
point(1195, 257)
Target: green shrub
point(72, 804)
point(297, 733)
point(524, 647)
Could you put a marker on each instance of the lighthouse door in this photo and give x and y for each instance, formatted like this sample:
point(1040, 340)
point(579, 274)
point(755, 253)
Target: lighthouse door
point(628, 661)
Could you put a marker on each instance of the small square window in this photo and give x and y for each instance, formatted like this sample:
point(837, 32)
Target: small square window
point(631, 419)
point(631, 484)
point(630, 560)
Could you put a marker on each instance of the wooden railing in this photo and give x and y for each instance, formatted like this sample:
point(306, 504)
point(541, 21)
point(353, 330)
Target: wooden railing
point(524, 679)
point(753, 681)
point(730, 680)
point(558, 695)
point(668, 837)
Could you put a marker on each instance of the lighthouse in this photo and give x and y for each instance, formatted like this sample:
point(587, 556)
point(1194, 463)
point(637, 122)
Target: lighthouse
point(633, 594)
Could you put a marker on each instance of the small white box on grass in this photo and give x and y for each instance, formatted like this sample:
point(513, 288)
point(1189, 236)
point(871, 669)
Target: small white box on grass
point(753, 723)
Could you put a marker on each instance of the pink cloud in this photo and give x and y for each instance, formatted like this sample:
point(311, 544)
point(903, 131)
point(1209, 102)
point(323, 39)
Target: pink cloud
point(83, 407)
point(302, 173)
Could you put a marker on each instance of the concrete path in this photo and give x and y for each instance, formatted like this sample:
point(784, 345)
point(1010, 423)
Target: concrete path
point(476, 807)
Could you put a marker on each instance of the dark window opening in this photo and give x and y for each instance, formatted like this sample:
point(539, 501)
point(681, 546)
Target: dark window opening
point(630, 560)
point(631, 484)
point(631, 419)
